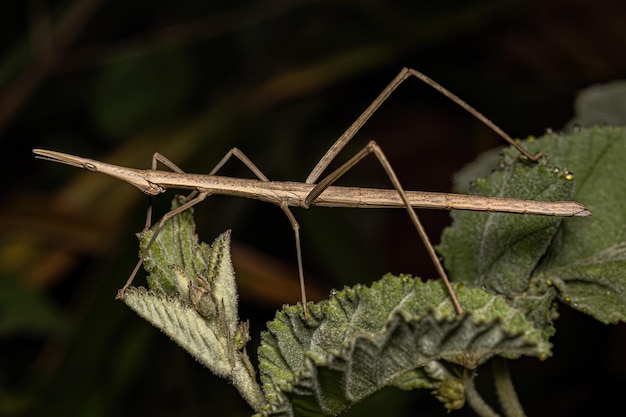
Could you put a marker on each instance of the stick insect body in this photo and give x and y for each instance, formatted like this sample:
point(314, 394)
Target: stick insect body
point(312, 193)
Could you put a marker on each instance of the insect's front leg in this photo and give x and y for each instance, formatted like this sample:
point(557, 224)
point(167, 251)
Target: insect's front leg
point(156, 158)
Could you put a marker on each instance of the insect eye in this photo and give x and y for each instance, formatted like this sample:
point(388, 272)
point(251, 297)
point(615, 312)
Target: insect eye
point(89, 166)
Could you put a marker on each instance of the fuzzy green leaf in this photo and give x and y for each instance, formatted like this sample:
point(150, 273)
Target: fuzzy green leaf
point(178, 264)
point(364, 339)
point(525, 257)
point(193, 299)
point(185, 326)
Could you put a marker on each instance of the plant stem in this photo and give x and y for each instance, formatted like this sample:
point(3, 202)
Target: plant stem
point(474, 399)
point(505, 389)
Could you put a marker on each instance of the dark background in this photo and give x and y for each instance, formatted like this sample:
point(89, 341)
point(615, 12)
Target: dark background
point(118, 80)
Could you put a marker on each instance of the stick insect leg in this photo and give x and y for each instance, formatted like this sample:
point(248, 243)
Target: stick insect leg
point(384, 95)
point(200, 197)
point(372, 147)
point(294, 224)
point(189, 202)
point(157, 157)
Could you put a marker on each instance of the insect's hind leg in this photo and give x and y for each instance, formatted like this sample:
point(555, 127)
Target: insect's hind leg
point(404, 74)
point(372, 147)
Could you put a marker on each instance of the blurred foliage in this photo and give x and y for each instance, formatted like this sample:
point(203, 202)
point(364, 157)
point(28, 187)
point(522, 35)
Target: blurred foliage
point(119, 80)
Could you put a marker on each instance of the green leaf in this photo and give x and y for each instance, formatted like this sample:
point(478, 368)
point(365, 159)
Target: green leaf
point(364, 339)
point(502, 248)
point(526, 257)
point(587, 259)
point(185, 326)
point(193, 299)
point(178, 264)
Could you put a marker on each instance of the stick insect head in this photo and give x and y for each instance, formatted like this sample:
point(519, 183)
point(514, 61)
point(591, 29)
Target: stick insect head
point(132, 176)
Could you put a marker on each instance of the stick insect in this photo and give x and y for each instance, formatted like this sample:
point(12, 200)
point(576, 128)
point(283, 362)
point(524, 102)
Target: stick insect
point(322, 193)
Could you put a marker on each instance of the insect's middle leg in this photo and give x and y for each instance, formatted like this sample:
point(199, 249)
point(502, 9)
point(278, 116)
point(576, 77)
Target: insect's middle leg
point(372, 147)
point(294, 223)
